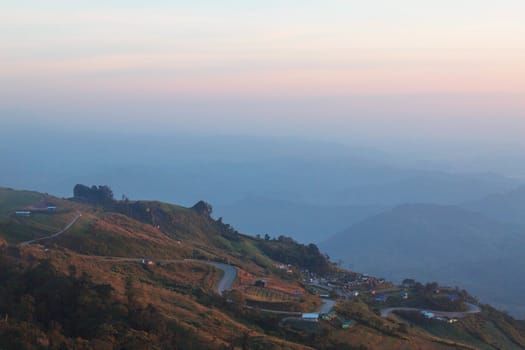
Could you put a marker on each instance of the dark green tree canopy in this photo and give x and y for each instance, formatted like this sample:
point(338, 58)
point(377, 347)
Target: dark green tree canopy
point(100, 195)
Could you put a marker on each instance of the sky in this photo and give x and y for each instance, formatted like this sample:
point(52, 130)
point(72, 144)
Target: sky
point(388, 73)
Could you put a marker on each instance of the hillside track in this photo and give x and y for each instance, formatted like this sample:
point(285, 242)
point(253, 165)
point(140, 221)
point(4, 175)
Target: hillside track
point(472, 309)
point(224, 284)
point(55, 235)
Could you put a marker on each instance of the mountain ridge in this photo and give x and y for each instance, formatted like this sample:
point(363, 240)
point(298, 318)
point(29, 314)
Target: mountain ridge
point(442, 243)
point(133, 272)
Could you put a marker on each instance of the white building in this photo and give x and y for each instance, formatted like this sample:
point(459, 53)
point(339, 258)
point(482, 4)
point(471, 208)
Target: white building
point(310, 317)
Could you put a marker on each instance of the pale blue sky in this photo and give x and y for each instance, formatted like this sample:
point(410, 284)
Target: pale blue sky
point(384, 71)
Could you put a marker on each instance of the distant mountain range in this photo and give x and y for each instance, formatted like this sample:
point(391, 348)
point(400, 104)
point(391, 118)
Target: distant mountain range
point(428, 187)
point(305, 222)
point(224, 170)
point(308, 222)
point(509, 206)
point(447, 244)
point(309, 190)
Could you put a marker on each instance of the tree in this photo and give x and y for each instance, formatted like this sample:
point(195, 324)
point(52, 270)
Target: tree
point(72, 270)
point(102, 195)
point(26, 307)
point(203, 208)
point(409, 282)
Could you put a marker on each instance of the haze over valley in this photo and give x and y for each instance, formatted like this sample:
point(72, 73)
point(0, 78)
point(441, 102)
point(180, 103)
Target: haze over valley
point(266, 175)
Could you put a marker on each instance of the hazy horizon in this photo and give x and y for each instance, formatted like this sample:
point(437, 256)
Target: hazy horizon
point(439, 82)
point(394, 128)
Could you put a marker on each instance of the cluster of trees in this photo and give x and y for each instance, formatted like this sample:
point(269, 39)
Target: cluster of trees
point(288, 251)
point(141, 211)
point(356, 309)
point(97, 195)
point(430, 296)
point(137, 210)
point(43, 308)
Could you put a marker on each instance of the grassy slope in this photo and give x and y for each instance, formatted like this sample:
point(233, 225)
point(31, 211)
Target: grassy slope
point(11, 200)
point(17, 229)
point(179, 290)
point(118, 235)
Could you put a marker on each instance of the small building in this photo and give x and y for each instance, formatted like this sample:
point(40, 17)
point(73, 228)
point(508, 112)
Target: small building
point(22, 213)
point(310, 317)
point(51, 208)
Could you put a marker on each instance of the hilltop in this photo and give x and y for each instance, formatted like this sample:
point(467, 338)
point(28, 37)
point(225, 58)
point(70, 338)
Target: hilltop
point(507, 207)
point(129, 274)
point(440, 243)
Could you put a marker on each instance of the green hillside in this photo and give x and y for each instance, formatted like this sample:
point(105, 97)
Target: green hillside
point(11, 200)
point(141, 275)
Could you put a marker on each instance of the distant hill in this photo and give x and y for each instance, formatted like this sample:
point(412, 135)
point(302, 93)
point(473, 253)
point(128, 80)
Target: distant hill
point(508, 206)
point(221, 171)
point(439, 243)
point(339, 209)
point(305, 222)
point(427, 187)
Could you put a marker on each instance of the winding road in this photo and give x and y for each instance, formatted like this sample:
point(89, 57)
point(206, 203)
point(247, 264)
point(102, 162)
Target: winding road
point(328, 305)
point(224, 284)
point(472, 309)
point(230, 274)
point(55, 235)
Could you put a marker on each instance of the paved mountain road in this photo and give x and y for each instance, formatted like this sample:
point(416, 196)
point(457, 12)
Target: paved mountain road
point(55, 235)
point(328, 305)
point(230, 274)
point(224, 284)
point(472, 309)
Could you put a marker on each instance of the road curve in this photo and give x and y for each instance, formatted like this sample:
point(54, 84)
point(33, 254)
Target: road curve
point(55, 235)
point(328, 305)
point(472, 309)
point(230, 274)
point(224, 284)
